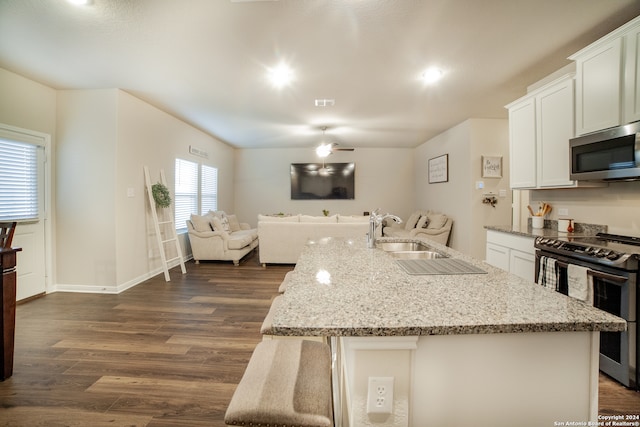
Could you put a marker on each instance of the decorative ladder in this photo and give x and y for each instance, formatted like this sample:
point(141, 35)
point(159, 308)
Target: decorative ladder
point(167, 222)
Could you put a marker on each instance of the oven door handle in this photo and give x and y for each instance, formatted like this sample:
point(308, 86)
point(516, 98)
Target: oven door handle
point(599, 274)
point(606, 276)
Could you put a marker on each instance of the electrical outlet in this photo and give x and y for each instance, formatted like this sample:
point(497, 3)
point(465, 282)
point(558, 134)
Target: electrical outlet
point(380, 395)
point(563, 211)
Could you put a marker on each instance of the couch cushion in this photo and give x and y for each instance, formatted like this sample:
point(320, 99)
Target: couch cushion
point(201, 222)
point(242, 238)
point(352, 218)
point(234, 224)
point(412, 221)
point(311, 218)
point(278, 218)
point(436, 221)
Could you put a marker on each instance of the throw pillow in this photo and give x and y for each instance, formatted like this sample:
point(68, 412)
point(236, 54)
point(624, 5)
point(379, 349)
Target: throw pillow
point(437, 221)
point(225, 224)
point(423, 222)
point(201, 223)
point(217, 224)
point(234, 225)
point(412, 221)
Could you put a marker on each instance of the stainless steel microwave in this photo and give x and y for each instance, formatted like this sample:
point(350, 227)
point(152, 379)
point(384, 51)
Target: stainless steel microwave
point(608, 155)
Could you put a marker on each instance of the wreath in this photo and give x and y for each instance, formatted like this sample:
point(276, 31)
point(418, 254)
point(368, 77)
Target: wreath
point(161, 195)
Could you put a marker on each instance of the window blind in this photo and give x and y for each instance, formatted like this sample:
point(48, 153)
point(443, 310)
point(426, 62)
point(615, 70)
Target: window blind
point(186, 191)
point(18, 181)
point(209, 189)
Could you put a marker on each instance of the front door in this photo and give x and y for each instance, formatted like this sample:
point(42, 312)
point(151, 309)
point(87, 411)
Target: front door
point(23, 198)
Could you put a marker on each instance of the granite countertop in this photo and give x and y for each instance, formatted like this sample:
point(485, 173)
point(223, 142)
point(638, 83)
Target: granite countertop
point(341, 288)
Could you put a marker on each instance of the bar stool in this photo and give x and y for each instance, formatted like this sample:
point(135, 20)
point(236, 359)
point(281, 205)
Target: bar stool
point(286, 383)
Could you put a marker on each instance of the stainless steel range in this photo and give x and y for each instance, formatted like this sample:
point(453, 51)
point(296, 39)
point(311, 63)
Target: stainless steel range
point(612, 265)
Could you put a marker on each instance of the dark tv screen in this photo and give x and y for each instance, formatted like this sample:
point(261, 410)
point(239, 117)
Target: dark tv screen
point(320, 181)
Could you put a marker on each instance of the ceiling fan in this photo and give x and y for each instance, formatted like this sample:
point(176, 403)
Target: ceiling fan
point(326, 148)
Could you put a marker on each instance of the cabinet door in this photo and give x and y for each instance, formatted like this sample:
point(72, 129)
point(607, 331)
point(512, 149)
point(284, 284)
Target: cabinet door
point(522, 144)
point(522, 264)
point(598, 90)
point(555, 128)
point(498, 256)
point(632, 76)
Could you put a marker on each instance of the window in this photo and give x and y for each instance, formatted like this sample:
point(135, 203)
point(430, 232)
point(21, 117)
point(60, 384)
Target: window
point(19, 179)
point(208, 189)
point(196, 190)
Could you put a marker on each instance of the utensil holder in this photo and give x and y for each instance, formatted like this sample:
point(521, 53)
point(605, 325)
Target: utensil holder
point(537, 222)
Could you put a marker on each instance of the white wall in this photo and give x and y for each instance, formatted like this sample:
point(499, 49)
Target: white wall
point(383, 179)
point(105, 237)
point(86, 154)
point(148, 136)
point(458, 198)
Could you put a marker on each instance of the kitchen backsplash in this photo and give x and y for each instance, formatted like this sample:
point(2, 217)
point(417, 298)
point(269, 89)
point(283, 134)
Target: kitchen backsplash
point(616, 206)
point(578, 227)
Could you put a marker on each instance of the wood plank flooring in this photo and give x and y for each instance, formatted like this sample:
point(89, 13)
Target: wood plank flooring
point(159, 354)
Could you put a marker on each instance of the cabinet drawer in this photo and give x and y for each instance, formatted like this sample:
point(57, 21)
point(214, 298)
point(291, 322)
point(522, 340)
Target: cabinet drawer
point(513, 241)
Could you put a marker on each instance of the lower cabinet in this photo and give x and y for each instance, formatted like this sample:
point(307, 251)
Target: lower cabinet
point(512, 253)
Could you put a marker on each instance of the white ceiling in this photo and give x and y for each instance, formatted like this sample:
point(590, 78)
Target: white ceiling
point(205, 61)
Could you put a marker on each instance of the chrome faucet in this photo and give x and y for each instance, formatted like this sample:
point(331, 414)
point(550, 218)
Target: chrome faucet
point(375, 220)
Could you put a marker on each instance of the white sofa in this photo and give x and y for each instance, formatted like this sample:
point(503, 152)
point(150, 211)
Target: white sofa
point(282, 238)
point(426, 224)
point(220, 237)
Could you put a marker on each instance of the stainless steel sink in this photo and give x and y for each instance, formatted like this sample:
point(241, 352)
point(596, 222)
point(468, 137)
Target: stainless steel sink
point(417, 255)
point(410, 250)
point(402, 246)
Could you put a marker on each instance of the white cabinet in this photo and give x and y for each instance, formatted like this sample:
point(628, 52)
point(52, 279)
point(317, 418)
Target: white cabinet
point(540, 126)
point(632, 75)
point(607, 90)
point(512, 253)
point(598, 88)
point(554, 107)
point(522, 143)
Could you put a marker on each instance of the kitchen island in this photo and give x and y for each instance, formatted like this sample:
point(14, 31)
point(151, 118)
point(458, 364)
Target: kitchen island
point(469, 349)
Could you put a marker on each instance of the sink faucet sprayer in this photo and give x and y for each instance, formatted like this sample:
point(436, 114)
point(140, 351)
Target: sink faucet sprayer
point(375, 220)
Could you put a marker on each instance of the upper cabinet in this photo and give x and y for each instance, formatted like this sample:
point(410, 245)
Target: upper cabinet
point(607, 89)
point(632, 74)
point(540, 126)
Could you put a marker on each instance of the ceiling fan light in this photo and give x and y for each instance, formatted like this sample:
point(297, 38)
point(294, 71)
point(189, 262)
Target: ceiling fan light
point(323, 150)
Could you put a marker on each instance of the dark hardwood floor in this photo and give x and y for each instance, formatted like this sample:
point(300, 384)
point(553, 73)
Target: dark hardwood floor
point(159, 354)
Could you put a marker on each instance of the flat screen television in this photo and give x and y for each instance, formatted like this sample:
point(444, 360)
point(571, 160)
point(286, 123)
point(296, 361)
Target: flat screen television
point(322, 181)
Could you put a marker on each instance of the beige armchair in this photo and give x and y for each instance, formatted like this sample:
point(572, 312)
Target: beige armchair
point(423, 224)
point(214, 239)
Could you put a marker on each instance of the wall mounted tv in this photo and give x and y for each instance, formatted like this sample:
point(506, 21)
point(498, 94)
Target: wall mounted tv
point(322, 181)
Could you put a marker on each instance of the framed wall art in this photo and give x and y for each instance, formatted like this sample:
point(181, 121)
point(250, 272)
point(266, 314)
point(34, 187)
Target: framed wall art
point(439, 169)
point(492, 166)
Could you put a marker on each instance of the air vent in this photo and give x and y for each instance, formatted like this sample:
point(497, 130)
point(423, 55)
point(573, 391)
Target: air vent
point(325, 102)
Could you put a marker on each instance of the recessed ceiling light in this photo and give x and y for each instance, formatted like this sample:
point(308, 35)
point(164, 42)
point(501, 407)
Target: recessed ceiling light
point(80, 2)
point(281, 75)
point(431, 75)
